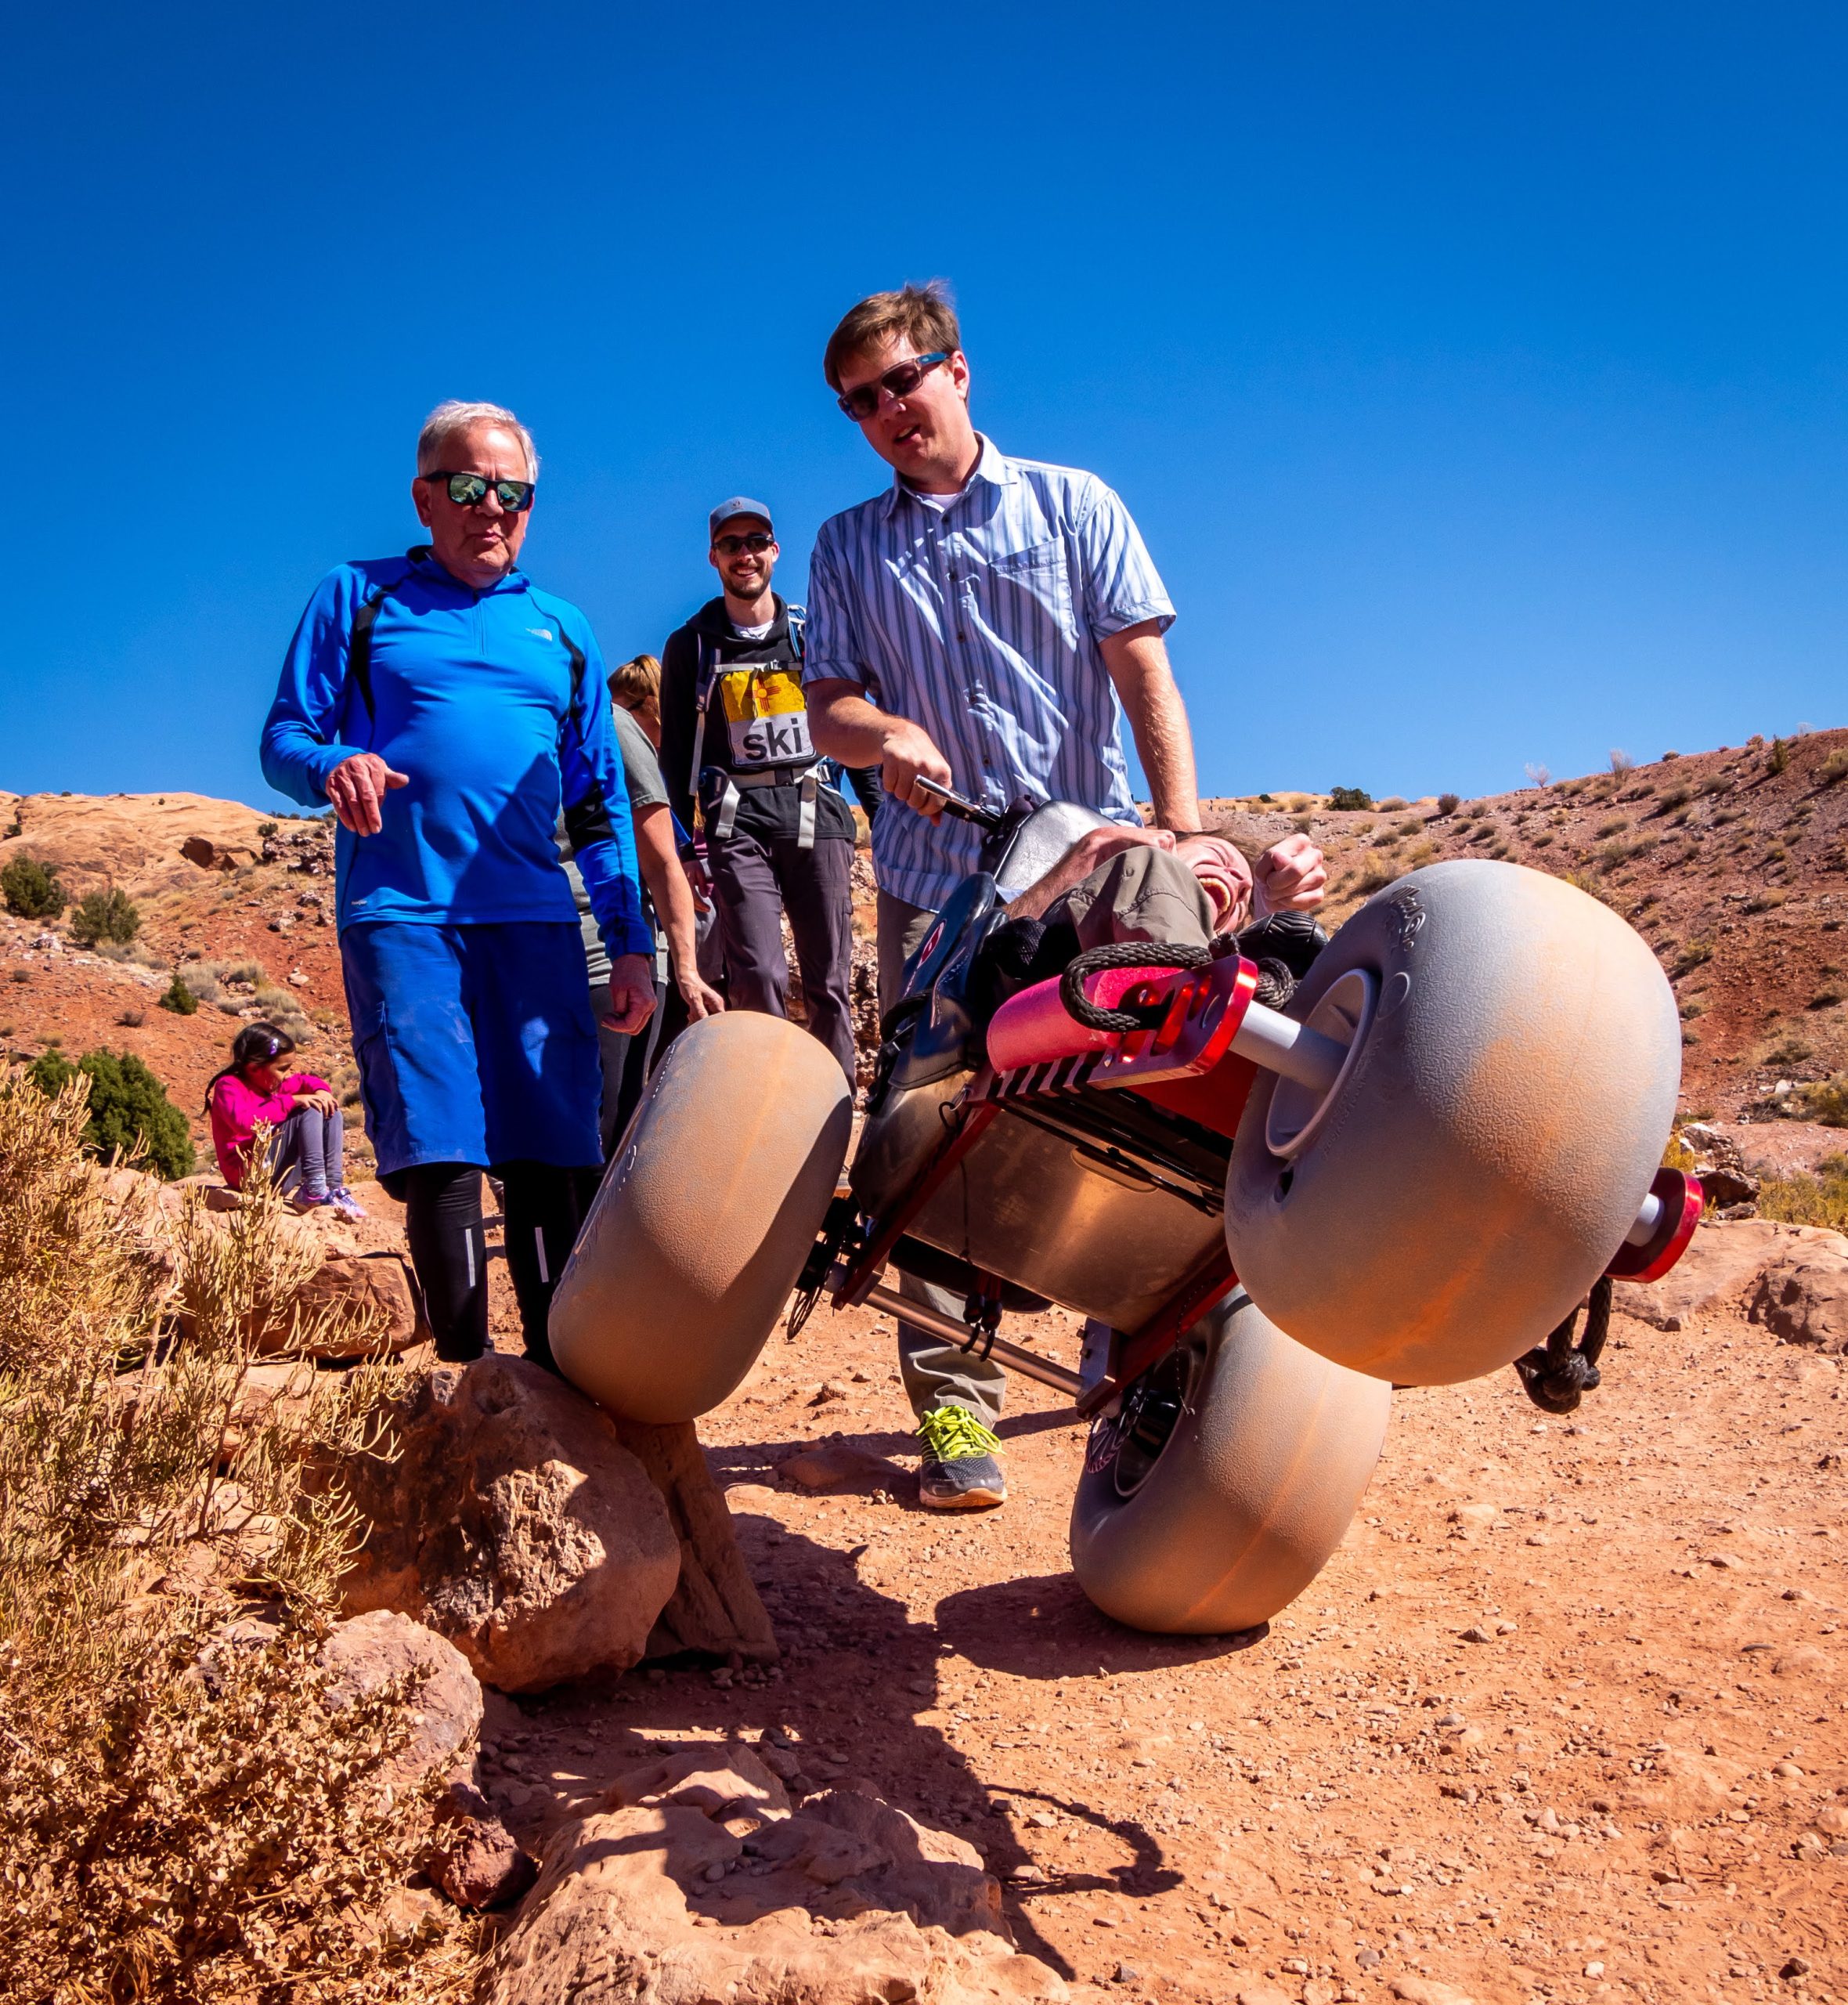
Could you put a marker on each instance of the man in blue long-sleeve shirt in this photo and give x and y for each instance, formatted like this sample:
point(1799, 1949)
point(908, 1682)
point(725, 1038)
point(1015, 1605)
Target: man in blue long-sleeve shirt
point(448, 709)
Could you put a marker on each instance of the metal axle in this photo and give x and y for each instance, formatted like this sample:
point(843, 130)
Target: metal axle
point(1016, 1357)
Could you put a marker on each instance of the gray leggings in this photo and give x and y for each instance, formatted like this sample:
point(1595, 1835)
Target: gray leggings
point(305, 1153)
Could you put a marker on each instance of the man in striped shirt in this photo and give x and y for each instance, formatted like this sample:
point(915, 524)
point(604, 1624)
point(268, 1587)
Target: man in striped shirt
point(986, 622)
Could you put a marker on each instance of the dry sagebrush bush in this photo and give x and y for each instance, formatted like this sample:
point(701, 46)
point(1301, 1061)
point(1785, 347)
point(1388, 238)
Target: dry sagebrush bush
point(181, 1817)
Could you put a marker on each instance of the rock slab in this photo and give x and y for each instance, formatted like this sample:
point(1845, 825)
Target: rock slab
point(715, 1608)
point(512, 1521)
point(844, 1902)
point(1719, 1270)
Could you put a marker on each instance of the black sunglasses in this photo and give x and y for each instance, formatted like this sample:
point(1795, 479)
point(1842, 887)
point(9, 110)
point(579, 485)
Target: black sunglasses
point(729, 546)
point(901, 379)
point(470, 490)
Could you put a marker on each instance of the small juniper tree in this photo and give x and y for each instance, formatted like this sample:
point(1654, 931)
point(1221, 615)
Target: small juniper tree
point(31, 888)
point(179, 998)
point(105, 915)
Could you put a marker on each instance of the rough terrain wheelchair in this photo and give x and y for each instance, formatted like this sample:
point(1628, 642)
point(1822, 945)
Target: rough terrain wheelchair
point(1276, 1177)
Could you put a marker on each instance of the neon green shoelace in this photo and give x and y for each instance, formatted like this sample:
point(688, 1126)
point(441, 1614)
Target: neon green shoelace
point(953, 1434)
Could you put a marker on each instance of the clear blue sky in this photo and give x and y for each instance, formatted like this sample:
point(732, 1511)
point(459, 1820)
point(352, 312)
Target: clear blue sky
point(1476, 373)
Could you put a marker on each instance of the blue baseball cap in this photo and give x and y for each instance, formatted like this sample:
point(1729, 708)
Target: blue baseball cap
point(739, 505)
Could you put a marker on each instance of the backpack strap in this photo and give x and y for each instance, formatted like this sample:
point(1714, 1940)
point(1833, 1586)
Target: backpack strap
point(577, 664)
point(359, 646)
point(703, 686)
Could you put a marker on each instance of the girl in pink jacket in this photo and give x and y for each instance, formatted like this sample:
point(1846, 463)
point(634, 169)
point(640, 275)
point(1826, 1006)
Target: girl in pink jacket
point(306, 1148)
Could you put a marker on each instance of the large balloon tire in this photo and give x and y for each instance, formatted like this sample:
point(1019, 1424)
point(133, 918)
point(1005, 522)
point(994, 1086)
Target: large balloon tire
point(704, 1220)
point(1515, 1062)
point(1232, 1474)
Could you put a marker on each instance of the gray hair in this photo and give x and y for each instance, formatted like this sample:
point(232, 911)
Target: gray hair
point(452, 417)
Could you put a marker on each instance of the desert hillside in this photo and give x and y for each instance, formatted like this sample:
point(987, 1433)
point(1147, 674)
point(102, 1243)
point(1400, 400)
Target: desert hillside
point(1732, 864)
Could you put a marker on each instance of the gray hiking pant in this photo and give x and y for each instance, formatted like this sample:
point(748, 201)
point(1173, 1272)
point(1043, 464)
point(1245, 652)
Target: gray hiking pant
point(1141, 894)
point(305, 1153)
point(754, 883)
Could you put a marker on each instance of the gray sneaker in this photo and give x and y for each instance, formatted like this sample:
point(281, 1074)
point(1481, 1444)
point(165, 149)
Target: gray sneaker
point(959, 1471)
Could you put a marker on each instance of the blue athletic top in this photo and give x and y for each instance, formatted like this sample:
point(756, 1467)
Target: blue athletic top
point(494, 703)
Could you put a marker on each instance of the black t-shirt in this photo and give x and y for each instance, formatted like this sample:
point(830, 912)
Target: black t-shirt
point(756, 721)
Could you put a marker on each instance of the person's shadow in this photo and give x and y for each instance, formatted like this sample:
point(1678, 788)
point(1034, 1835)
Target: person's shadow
point(857, 1670)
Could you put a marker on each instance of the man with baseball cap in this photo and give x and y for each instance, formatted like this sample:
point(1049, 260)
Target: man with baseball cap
point(735, 743)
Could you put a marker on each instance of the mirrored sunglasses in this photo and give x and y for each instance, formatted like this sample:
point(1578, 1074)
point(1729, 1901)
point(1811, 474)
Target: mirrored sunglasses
point(469, 490)
point(729, 546)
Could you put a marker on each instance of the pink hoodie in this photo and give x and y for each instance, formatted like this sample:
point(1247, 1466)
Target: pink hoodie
point(237, 1107)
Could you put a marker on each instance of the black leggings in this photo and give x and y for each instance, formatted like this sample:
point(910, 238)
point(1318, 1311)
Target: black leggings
point(442, 1203)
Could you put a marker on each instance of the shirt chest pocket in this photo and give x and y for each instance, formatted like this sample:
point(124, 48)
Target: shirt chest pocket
point(1025, 597)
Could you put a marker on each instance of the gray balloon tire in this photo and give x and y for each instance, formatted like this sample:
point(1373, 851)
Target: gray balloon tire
point(1480, 1163)
point(704, 1219)
point(1253, 1489)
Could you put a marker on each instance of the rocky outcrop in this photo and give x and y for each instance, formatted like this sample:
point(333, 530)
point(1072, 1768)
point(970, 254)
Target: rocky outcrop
point(474, 1858)
point(141, 842)
point(512, 1521)
point(697, 1886)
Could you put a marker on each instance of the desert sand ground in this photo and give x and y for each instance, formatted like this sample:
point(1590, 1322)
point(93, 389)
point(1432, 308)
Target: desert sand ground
point(1637, 1787)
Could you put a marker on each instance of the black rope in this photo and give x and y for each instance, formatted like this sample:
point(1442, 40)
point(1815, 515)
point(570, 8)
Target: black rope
point(1275, 985)
point(1558, 1374)
point(1130, 954)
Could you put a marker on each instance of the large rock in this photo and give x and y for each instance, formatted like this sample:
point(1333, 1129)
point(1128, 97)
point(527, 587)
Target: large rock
point(1802, 1296)
point(515, 1522)
point(846, 1902)
point(1718, 1272)
point(371, 1652)
point(376, 1303)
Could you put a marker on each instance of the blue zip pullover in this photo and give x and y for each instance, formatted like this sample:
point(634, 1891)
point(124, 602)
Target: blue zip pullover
point(474, 695)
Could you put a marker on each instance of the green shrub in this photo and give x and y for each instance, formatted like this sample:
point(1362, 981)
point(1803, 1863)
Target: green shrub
point(179, 998)
point(31, 888)
point(105, 915)
point(1350, 799)
point(129, 1107)
point(1779, 756)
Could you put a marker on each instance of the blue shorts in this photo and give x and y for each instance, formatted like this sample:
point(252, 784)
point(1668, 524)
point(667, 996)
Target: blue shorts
point(475, 1043)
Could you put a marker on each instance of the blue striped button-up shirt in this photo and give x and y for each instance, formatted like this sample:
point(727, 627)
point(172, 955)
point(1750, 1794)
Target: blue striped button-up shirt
point(981, 621)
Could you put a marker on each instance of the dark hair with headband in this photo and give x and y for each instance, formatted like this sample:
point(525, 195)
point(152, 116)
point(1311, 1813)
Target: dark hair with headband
point(256, 1044)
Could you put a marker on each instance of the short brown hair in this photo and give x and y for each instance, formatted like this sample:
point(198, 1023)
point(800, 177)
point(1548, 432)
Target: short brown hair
point(923, 312)
point(637, 681)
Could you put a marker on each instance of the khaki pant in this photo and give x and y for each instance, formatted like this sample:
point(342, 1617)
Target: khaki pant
point(1141, 894)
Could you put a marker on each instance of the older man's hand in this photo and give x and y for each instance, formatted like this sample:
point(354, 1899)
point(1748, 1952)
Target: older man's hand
point(358, 786)
point(1291, 877)
point(631, 992)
